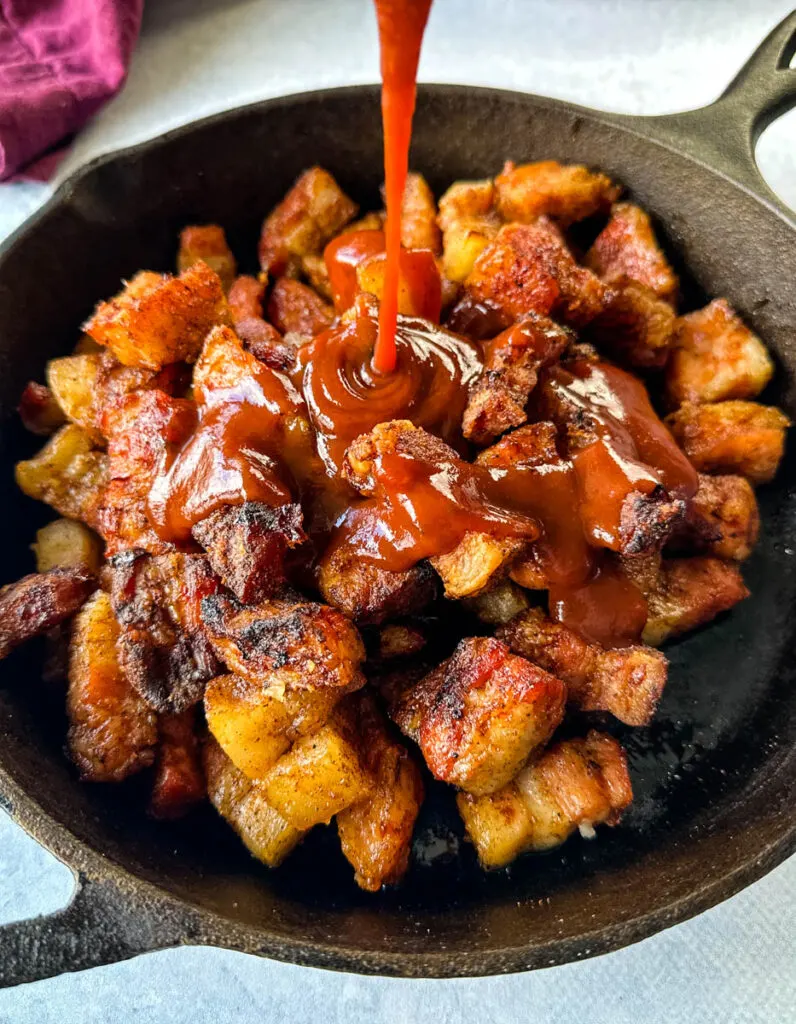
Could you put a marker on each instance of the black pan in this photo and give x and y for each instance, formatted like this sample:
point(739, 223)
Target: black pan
point(714, 774)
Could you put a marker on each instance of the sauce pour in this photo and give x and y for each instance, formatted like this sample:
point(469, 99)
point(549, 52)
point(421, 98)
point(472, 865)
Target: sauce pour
point(401, 27)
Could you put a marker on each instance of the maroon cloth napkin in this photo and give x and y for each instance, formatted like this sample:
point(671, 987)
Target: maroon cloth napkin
point(60, 60)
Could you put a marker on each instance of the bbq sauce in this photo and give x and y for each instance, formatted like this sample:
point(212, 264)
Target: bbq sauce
point(401, 27)
point(235, 453)
point(346, 397)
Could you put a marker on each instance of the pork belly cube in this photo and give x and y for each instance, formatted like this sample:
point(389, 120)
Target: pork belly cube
point(626, 682)
point(483, 713)
point(400, 640)
point(179, 783)
point(39, 602)
point(247, 544)
point(690, 593)
point(626, 248)
point(498, 604)
point(159, 319)
point(419, 228)
point(732, 437)
point(256, 724)
point(528, 269)
point(318, 777)
point(565, 192)
point(208, 243)
point(285, 642)
point(162, 647)
point(722, 519)
point(68, 474)
point(369, 594)
point(512, 361)
point(577, 783)
point(146, 425)
point(112, 731)
point(716, 357)
point(314, 268)
point(242, 803)
point(469, 222)
point(476, 563)
point(67, 544)
point(636, 327)
point(376, 831)
point(312, 212)
point(39, 410)
point(297, 308)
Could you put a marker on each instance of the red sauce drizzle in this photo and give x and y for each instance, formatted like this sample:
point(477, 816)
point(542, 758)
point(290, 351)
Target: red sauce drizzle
point(424, 508)
point(346, 397)
point(608, 608)
point(232, 456)
point(401, 27)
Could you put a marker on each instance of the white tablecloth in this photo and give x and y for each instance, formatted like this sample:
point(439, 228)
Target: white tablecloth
point(736, 963)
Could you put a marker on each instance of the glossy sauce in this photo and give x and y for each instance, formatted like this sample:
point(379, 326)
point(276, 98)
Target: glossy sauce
point(423, 508)
point(401, 27)
point(234, 454)
point(619, 445)
point(608, 608)
point(346, 397)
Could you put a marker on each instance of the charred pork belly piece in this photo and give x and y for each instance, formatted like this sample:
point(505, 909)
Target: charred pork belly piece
point(512, 362)
point(627, 682)
point(112, 730)
point(39, 602)
point(163, 650)
point(480, 715)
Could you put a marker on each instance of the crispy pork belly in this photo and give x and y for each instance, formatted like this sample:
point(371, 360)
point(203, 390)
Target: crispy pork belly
point(179, 782)
point(112, 731)
point(242, 803)
point(528, 268)
point(498, 604)
point(635, 327)
point(146, 425)
point(376, 831)
point(286, 641)
point(208, 243)
point(732, 437)
point(689, 593)
point(577, 783)
point(295, 307)
point(480, 715)
point(722, 519)
point(312, 213)
point(627, 682)
point(162, 647)
point(247, 544)
point(159, 319)
point(39, 602)
point(469, 222)
point(400, 640)
point(419, 228)
point(565, 192)
point(476, 563)
point(715, 358)
point(245, 298)
point(369, 594)
point(68, 474)
point(626, 249)
point(512, 362)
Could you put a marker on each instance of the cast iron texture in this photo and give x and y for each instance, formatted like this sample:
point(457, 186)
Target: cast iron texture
point(714, 775)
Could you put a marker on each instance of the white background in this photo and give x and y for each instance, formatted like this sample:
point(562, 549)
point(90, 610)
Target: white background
point(734, 963)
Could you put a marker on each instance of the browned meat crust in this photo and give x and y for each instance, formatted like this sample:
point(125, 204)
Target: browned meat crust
point(179, 780)
point(162, 647)
point(39, 602)
point(628, 682)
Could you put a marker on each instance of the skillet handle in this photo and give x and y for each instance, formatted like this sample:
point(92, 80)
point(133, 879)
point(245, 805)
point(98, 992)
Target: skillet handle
point(724, 134)
point(101, 925)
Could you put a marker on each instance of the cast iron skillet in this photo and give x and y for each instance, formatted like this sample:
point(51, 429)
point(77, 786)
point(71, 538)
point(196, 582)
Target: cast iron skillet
point(715, 773)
